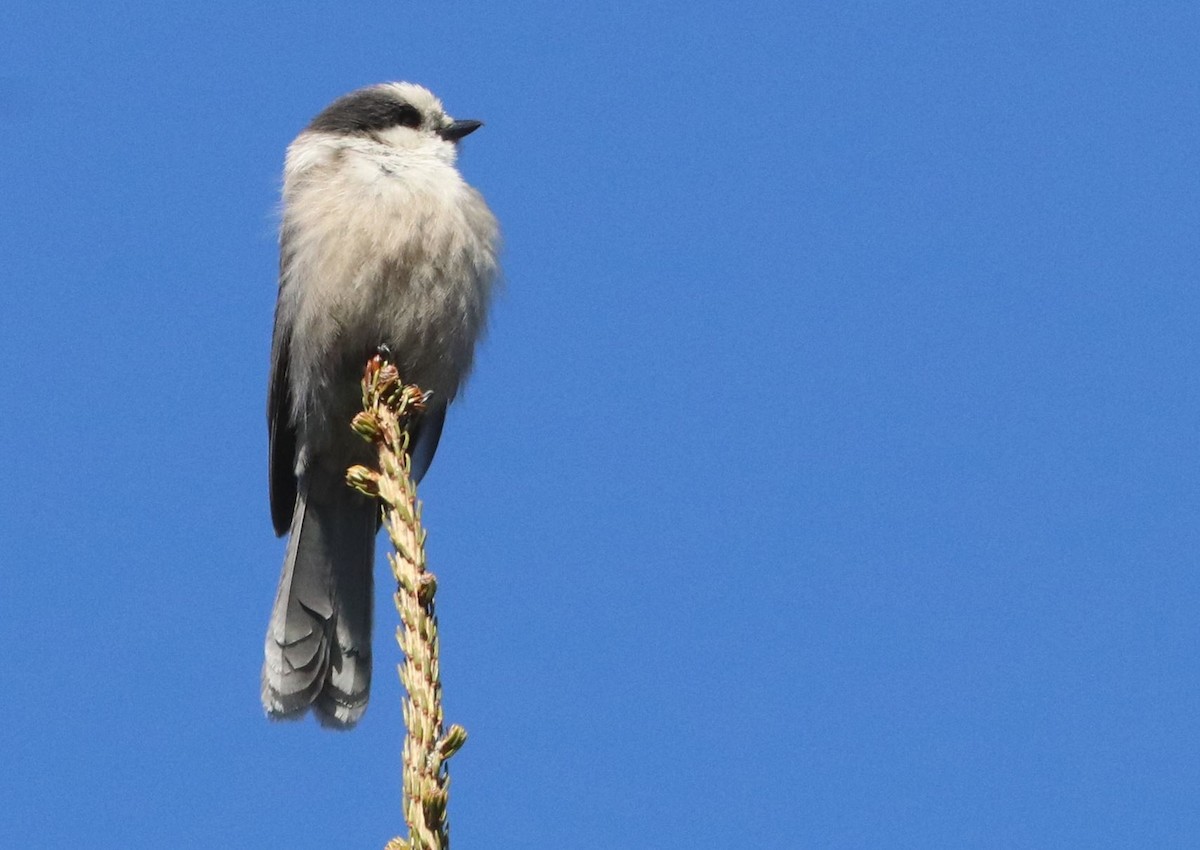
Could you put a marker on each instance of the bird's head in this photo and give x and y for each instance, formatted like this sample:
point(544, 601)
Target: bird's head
point(399, 115)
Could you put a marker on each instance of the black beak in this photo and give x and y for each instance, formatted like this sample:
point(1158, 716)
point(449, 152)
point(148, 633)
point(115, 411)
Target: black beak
point(454, 132)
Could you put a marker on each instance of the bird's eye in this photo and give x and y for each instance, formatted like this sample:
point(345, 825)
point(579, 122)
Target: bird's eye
point(407, 115)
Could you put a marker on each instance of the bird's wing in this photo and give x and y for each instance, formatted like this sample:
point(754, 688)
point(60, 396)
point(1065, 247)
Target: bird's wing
point(427, 431)
point(280, 427)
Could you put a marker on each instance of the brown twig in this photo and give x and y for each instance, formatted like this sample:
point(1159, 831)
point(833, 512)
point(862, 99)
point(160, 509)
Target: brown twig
point(389, 408)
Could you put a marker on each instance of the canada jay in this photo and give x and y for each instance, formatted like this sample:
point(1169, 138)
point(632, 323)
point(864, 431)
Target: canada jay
point(382, 243)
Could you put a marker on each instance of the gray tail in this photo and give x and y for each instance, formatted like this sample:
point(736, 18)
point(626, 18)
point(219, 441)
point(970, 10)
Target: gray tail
point(318, 649)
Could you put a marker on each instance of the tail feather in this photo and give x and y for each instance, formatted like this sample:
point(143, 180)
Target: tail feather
point(318, 647)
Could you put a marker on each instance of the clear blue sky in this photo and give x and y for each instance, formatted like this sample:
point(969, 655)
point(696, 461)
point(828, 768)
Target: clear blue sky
point(829, 477)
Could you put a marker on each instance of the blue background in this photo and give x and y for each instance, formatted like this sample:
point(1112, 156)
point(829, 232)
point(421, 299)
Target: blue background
point(828, 478)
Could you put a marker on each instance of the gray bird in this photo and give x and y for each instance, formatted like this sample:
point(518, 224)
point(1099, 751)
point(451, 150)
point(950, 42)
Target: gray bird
point(382, 243)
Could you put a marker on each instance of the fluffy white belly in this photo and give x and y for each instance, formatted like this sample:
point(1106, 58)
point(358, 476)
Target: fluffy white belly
point(378, 251)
